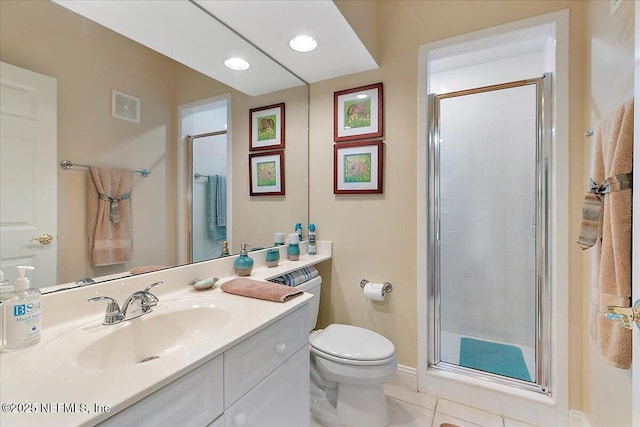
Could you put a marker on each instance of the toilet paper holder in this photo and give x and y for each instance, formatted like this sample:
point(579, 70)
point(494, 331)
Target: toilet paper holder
point(385, 288)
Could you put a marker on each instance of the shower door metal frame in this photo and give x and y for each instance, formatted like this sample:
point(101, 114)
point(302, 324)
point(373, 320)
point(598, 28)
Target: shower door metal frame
point(543, 378)
point(190, 140)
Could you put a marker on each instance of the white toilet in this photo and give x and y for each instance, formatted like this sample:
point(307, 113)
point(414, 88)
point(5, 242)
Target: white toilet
point(349, 365)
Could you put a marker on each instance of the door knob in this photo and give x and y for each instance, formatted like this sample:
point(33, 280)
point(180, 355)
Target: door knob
point(44, 238)
point(625, 315)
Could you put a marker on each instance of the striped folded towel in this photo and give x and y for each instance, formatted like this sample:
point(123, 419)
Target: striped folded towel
point(297, 277)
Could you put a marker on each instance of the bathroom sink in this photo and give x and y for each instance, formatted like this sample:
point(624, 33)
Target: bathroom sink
point(175, 326)
point(151, 337)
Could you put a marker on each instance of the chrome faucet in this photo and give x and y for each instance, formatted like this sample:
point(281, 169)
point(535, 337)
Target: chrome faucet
point(113, 314)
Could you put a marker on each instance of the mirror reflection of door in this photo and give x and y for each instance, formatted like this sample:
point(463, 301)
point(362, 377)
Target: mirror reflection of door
point(206, 126)
point(28, 125)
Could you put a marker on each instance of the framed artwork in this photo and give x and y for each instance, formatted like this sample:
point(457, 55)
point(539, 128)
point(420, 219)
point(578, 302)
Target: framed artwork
point(266, 127)
point(266, 173)
point(357, 167)
point(357, 113)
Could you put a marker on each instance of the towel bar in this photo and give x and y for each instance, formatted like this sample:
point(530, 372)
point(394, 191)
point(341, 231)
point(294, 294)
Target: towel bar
point(68, 164)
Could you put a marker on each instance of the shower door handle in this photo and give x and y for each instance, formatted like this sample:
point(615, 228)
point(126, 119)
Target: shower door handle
point(625, 315)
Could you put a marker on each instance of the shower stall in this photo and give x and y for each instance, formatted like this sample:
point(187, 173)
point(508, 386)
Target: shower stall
point(488, 185)
point(205, 168)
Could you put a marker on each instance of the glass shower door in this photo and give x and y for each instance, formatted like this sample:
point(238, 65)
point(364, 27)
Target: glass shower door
point(487, 186)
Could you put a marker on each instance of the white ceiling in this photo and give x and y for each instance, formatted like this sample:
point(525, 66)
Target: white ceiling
point(181, 30)
point(270, 24)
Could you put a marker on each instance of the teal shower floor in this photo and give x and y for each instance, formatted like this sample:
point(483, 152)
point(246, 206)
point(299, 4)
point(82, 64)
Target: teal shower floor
point(500, 359)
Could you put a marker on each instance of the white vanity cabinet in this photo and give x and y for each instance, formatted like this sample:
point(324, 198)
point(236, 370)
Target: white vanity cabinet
point(266, 377)
point(262, 381)
point(194, 399)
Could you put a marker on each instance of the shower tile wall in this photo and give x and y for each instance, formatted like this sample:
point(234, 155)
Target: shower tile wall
point(488, 288)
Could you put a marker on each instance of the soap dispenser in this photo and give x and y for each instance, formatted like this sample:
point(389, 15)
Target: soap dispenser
point(244, 263)
point(21, 314)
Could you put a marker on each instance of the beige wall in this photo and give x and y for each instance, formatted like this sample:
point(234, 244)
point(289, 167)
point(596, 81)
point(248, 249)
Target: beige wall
point(375, 236)
point(89, 61)
point(609, 82)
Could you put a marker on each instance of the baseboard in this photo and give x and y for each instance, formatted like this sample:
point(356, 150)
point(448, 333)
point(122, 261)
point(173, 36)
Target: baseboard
point(405, 377)
point(578, 419)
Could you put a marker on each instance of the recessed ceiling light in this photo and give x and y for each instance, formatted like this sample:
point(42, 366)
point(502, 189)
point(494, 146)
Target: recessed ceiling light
point(237, 64)
point(303, 43)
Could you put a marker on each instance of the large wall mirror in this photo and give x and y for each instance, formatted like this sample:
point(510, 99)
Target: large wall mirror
point(88, 62)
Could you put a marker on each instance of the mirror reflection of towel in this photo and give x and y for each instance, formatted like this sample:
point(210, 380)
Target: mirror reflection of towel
point(216, 208)
point(109, 215)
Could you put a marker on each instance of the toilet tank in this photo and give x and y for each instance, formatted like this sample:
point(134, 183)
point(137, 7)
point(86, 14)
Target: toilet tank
point(313, 287)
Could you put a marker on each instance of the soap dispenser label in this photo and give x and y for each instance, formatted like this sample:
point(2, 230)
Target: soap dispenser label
point(24, 324)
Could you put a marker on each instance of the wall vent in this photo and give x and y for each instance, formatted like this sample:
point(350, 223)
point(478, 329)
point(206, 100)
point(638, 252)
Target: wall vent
point(125, 106)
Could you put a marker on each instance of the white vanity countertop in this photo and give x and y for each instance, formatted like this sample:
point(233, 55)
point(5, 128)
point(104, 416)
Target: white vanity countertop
point(47, 377)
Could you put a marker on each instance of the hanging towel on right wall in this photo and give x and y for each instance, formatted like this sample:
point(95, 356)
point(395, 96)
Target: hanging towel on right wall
point(611, 171)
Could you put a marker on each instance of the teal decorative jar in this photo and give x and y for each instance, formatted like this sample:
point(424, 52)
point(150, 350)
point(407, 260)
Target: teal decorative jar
point(293, 250)
point(273, 257)
point(244, 263)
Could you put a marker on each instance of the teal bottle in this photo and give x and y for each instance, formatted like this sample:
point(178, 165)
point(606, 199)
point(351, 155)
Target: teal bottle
point(244, 263)
point(312, 240)
point(298, 230)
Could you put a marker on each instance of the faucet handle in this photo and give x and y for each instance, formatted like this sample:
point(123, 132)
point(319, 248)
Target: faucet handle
point(151, 300)
point(112, 305)
point(113, 309)
point(148, 288)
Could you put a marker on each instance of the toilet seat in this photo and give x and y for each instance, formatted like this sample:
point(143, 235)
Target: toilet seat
point(352, 345)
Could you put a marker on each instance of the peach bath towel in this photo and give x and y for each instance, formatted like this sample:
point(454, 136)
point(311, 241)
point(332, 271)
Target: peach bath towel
point(261, 290)
point(613, 155)
point(109, 215)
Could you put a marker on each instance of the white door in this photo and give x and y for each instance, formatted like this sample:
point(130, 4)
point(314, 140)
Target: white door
point(28, 173)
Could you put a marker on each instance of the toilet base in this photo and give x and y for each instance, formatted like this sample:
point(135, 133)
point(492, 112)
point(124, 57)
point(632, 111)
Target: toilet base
point(357, 406)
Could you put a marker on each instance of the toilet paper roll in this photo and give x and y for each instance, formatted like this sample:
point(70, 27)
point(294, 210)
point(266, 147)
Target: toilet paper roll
point(373, 291)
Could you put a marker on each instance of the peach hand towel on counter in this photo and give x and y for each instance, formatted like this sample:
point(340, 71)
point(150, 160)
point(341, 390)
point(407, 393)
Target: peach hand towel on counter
point(613, 155)
point(147, 269)
point(109, 215)
point(261, 290)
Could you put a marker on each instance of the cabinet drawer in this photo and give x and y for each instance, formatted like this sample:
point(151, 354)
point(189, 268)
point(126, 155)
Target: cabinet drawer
point(194, 399)
point(281, 400)
point(252, 360)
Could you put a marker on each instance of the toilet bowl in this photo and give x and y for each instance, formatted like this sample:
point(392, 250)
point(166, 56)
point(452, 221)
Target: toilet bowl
point(349, 366)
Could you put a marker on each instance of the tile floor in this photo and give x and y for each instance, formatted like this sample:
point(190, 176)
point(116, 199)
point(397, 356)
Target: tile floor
point(411, 409)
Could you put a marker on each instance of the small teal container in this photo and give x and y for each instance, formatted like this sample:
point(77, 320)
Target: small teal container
point(273, 258)
point(293, 250)
point(244, 263)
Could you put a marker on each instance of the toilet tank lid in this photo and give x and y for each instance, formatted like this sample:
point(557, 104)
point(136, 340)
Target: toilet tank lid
point(352, 342)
